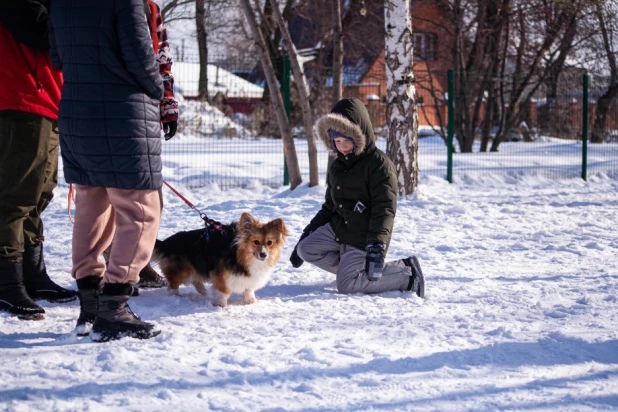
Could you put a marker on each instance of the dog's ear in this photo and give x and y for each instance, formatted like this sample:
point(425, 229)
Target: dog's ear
point(279, 226)
point(247, 222)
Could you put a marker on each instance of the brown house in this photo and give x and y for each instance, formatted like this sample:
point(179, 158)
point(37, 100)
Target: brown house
point(432, 59)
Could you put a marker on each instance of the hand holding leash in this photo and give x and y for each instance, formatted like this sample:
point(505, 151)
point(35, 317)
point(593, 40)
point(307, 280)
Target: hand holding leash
point(374, 261)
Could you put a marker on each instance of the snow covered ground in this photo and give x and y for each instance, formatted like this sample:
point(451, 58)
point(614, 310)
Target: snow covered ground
point(521, 312)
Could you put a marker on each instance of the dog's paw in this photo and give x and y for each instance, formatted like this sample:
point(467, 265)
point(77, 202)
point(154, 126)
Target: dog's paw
point(199, 286)
point(219, 298)
point(249, 297)
point(173, 292)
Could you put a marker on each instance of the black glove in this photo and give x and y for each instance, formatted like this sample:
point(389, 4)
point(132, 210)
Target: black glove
point(374, 260)
point(295, 260)
point(169, 129)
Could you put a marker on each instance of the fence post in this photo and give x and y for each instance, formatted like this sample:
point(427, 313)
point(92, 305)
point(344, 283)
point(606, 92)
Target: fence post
point(451, 121)
point(585, 130)
point(287, 104)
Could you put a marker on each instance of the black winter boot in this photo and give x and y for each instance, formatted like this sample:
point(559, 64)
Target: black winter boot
point(149, 278)
point(115, 319)
point(38, 284)
point(89, 289)
point(13, 296)
point(417, 280)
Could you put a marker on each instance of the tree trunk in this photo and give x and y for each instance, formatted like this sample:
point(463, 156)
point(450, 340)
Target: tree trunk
point(275, 97)
point(600, 122)
point(303, 94)
point(523, 83)
point(489, 117)
point(402, 111)
point(202, 45)
point(337, 52)
point(605, 101)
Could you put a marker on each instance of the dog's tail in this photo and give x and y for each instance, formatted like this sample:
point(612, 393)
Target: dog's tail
point(159, 251)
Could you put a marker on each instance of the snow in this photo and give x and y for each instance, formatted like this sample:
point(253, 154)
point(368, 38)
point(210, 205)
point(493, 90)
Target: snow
point(199, 119)
point(520, 310)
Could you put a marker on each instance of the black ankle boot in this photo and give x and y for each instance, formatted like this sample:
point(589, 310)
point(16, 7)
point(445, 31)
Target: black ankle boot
point(38, 284)
point(115, 319)
point(13, 296)
point(149, 278)
point(89, 289)
point(417, 280)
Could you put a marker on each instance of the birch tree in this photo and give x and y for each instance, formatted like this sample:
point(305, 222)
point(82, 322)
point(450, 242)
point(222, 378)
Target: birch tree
point(303, 94)
point(289, 148)
point(401, 111)
point(337, 52)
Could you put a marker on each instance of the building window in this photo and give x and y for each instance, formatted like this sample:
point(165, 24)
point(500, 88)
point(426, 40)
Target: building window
point(425, 46)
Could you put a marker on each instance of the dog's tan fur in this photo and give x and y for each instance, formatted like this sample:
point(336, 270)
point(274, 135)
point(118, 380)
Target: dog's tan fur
point(243, 264)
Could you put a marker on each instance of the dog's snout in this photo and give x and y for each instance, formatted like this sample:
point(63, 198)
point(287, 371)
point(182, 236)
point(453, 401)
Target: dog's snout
point(263, 253)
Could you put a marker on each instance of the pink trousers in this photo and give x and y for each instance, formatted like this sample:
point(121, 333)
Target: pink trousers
point(129, 218)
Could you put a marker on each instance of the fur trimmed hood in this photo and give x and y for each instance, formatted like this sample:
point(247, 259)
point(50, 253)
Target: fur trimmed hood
point(350, 118)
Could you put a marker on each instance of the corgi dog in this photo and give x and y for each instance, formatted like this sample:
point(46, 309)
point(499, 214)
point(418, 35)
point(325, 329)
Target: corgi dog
point(234, 258)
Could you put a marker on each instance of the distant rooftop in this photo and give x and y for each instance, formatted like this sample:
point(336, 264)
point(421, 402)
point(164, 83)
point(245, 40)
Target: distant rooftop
point(186, 78)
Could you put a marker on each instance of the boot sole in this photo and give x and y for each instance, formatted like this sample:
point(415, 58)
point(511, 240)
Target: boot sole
point(35, 318)
point(63, 300)
point(102, 337)
point(153, 284)
point(24, 316)
point(54, 300)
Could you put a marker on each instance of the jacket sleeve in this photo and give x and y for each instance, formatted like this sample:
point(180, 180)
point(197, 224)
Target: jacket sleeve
point(383, 193)
point(26, 20)
point(136, 46)
point(169, 105)
point(324, 215)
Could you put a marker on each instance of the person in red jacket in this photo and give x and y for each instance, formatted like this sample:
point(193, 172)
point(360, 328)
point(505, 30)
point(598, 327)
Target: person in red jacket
point(29, 99)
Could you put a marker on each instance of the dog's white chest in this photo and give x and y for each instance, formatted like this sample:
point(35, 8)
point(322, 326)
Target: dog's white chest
point(259, 272)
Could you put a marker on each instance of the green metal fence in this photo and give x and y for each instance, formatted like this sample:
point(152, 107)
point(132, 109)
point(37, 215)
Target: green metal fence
point(233, 139)
point(550, 137)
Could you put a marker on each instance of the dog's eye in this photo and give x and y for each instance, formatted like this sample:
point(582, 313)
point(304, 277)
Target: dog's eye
point(269, 243)
point(257, 242)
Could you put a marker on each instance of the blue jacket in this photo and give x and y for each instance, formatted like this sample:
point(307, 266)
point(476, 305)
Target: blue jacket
point(109, 112)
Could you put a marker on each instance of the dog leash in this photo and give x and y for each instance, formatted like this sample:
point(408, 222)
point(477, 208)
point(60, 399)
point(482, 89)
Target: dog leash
point(184, 199)
point(211, 225)
point(71, 196)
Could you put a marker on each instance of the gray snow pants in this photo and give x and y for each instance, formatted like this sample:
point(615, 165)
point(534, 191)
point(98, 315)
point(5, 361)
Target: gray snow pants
point(322, 250)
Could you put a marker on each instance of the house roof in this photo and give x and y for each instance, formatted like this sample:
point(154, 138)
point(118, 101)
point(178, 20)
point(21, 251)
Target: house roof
point(363, 37)
point(186, 81)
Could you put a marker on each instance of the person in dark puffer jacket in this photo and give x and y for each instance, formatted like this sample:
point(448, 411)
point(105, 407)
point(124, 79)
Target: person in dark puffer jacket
point(111, 150)
point(148, 277)
point(29, 98)
point(350, 235)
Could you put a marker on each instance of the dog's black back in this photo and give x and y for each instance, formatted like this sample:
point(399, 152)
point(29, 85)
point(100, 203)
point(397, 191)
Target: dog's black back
point(205, 249)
